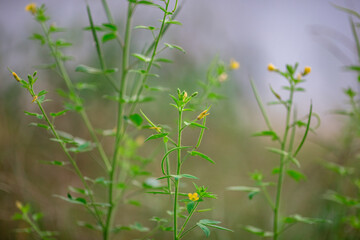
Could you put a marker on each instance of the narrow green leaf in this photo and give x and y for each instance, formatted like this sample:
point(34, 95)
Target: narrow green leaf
point(108, 36)
point(39, 125)
point(173, 46)
point(141, 57)
point(195, 153)
point(155, 136)
point(258, 231)
point(87, 69)
point(297, 176)
point(110, 26)
point(205, 229)
point(271, 134)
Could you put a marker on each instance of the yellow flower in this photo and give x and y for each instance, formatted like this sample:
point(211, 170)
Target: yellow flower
point(16, 76)
point(307, 70)
point(158, 129)
point(271, 67)
point(223, 77)
point(31, 7)
point(234, 64)
point(193, 196)
point(185, 95)
point(18, 205)
point(203, 114)
point(35, 98)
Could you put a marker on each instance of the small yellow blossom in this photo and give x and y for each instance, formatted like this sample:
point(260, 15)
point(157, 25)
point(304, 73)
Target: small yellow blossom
point(16, 76)
point(271, 67)
point(158, 129)
point(31, 7)
point(18, 205)
point(234, 64)
point(223, 77)
point(193, 196)
point(185, 95)
point(35, 98)
point(203, 114)
point(307, 70)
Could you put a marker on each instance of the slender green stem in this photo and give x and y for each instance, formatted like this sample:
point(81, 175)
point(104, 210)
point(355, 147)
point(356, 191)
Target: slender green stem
point(187, 219)
point(143, 81)
point(178, 171)
point(33, 226)
point(77, 99)
point(167, 164)
point(187, 231)
point(267, 197)
point(96, 212)
point(282, 164)
point(112, 174)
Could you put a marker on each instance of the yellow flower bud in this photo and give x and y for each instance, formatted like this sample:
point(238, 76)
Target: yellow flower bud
point(31, 7)
point(271, 67)
point(307, 70)
point(203, 114)
point(185, 95)
point(223, 77)
point(158, 129)
point(35, 98)
point(18, 205)
point(234, 64)
point(16, 76)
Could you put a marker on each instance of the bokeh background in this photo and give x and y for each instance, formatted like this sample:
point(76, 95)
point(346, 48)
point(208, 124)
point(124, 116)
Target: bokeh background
point(255, 33)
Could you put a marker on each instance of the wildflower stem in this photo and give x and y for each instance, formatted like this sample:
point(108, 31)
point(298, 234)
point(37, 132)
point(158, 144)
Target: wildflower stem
point(283, 160)
point(96, 212)
point(77, 99)
point(187, 231)
point(178, 171)
point(187, 219)
point(167, 164)
point(156, 43)
point(33, 225)
point(112, 173)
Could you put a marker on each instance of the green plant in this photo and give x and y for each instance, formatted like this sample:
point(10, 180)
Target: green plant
point(174, 175)
point(32, 220)
point(344, 164)
point(123, 172)
point(287, 151)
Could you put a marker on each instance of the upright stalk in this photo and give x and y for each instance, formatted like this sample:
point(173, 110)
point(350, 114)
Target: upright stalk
point(178, 171)
point(283, 159)
point(112, 173)
point(77, 100)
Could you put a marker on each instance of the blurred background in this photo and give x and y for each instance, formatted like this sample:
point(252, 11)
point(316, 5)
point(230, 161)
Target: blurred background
point(255, 33)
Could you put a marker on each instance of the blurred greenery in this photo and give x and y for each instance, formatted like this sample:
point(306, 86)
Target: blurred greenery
point(232, 121)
